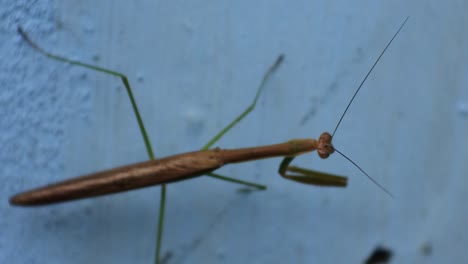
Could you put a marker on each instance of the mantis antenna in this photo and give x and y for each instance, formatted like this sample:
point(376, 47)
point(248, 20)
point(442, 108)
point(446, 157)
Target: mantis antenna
point(368, 73)
point(349, 104)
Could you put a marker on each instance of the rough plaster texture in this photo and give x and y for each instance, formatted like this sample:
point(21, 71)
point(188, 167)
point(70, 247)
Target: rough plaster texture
point(194, 66)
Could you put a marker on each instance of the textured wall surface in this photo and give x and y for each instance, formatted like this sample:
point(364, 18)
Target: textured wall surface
point(194, 67)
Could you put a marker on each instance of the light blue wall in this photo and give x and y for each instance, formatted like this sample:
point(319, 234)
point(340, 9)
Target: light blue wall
point(194, 67)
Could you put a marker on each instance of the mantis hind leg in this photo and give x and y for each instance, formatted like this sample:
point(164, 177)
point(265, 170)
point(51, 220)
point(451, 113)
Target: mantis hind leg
point(149, 149)
point(311, 177)
point(122, 76)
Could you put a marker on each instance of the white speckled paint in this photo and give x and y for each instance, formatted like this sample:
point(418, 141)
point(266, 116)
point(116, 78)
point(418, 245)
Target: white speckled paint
point(193, 67)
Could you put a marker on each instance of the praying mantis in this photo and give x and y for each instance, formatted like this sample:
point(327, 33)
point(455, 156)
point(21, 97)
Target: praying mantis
point(192, 164)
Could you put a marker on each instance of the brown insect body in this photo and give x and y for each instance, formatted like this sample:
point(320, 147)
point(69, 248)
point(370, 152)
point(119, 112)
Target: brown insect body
point(154, 172)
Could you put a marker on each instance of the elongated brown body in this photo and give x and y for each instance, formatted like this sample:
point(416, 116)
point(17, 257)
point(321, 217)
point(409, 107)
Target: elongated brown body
point(154, 172)
point(124, 178)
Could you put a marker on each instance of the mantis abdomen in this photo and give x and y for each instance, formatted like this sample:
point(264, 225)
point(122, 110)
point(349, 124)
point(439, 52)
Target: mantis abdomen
point(153, 172)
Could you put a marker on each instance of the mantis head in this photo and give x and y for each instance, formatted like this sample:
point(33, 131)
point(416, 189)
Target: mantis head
point(325, 147)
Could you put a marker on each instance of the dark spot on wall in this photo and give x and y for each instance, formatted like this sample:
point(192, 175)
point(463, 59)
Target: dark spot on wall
point(96, 58)
point(380, 255)
point(166, 257)
point(426, 249)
